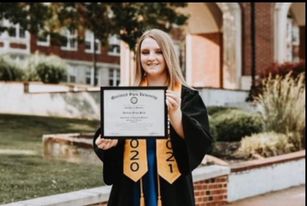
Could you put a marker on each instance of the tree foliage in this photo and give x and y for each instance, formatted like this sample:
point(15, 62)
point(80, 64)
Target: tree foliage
point(127, 20)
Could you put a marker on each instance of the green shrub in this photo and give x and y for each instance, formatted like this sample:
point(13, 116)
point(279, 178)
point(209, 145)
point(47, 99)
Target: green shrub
point(31, 75)
point(29, 66)
point(234, 124)
point(50, 73)
point(212, 128)
point(9, 71)
point(266, 144)
point(282, 104)
point(215, 109)
point(50, 69)
point(37, 67)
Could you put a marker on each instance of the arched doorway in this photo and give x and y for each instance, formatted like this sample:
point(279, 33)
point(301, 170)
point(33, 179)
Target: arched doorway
point(213, 45)
point(289, 32)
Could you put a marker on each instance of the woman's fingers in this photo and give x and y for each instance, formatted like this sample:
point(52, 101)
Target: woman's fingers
point(105, 144)
point(114, 143)
point(173, 95)
point(98, 140)
point(173, 100)
point(173, 104)
point(108, 144)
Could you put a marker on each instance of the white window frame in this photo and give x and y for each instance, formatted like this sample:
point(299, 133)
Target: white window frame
point(89, 37)
point(17, 32)
point(114, 40)
point(43, 43)
point(17, 28)
point(72, 71)
point(70, 36)
point(88, 75)
point(7, 40)
point(115, 76)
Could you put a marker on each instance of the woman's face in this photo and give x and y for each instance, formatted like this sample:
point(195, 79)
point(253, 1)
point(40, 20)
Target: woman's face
point(152, 59)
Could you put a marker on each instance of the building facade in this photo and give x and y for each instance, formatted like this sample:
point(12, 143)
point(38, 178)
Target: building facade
point(219, 41)
point(79, 56)
point(222, 42)
point(220, 46)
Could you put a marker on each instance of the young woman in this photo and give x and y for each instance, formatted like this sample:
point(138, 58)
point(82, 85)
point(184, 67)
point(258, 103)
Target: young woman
point(168, 163)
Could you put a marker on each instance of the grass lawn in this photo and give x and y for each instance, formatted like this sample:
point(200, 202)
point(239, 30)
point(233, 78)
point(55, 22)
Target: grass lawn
point(24, 176)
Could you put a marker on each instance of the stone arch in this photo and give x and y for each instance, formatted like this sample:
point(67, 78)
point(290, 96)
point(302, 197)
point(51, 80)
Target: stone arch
point(231, 30)
point(281, 11)
point(280, 17)
point(232, 43)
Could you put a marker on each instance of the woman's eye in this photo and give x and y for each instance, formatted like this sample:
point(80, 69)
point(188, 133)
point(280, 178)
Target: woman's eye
point(159, 52)
point(145, 52)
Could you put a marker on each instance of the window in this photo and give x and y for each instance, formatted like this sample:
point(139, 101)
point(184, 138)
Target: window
point(72, 78)
point(89, 43)
point(72, 73)
point(22, 33)
point(15, 31)
point(114, 46)
point(43, 39)
point(71, 37)
point(114, 77)
point(88, 77)
point(12, 32)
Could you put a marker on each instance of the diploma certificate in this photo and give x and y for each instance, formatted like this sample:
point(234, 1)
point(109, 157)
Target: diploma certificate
point(138, 112)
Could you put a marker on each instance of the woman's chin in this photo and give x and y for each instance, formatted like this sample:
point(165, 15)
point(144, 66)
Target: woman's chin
point(153, 71)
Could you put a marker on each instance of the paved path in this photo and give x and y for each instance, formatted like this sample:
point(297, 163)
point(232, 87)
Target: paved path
point(294, 196)
point(17, 152)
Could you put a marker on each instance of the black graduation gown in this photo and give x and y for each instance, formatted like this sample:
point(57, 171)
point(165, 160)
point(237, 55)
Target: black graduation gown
point(188, 152)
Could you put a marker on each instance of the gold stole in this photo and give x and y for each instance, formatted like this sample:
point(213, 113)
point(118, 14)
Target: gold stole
point(135, 155)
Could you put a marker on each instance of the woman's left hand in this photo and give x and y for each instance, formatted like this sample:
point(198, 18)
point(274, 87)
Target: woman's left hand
point(173, 102)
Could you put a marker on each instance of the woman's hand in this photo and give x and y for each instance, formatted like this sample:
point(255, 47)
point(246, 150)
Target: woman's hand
point(173, 102)
point(105, 144)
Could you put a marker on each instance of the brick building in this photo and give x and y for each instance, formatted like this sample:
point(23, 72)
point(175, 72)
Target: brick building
point(216, 48)
point(79, 56)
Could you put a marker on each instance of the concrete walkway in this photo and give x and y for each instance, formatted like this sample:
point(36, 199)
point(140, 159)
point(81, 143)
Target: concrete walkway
point(294, 196)
point(17, 152)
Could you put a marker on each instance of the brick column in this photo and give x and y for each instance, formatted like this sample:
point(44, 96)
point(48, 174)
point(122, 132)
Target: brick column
point(211, 192)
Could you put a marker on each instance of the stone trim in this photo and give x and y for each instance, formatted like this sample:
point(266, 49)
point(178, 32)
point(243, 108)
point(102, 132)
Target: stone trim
point(267, 161)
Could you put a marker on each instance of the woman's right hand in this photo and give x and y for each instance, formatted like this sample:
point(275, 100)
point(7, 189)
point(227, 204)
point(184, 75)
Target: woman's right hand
point(105, 144)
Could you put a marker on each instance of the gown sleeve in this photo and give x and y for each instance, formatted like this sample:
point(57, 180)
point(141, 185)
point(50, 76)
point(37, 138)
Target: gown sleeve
point(190, 150)
point(112, 160)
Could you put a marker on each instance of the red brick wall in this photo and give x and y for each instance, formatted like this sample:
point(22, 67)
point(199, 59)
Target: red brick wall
point(264, 35)
point(18, 46)
point(246, 39)
point(264, 31)
point(80, 54)
point(206, 60)
point(211, 192)
point(216, 69)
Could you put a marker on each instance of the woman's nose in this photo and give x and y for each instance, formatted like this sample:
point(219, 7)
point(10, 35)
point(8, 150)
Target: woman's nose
point(151, 56)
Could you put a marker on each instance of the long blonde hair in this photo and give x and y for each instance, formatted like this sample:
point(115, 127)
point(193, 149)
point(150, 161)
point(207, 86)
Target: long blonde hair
point(167, 47)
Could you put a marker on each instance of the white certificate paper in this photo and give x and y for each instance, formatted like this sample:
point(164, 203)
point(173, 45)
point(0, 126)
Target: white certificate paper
point(138, 112)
